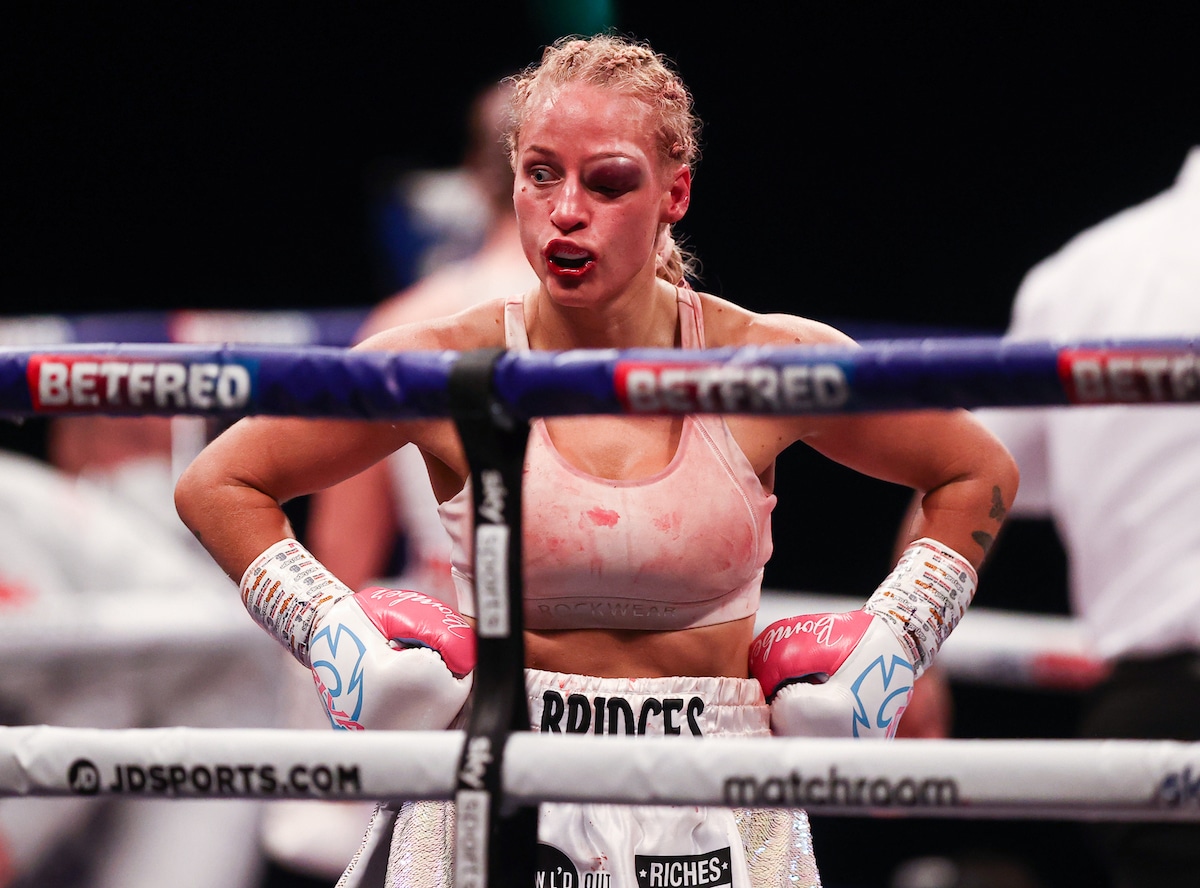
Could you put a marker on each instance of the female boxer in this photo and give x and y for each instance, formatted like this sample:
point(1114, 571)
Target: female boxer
point(645, 538)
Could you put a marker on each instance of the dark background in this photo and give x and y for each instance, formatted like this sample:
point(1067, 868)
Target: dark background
point(893, 161)
point(863, 163)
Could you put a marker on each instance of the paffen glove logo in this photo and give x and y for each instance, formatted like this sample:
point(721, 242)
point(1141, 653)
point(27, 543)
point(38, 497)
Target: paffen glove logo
point(881, 694)
point(337, 664)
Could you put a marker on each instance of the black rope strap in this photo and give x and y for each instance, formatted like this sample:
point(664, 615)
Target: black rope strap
point(496, 843)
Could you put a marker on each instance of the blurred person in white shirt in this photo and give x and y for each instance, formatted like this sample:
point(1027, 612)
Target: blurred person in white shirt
point(1122, 485)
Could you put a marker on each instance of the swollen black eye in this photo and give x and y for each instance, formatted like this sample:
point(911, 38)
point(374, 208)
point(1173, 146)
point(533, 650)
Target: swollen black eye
point(614, 176)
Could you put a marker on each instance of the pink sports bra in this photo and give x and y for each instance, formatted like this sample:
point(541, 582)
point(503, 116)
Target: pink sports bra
point(682, 548)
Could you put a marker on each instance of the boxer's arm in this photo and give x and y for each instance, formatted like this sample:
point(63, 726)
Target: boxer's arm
point(851, 675)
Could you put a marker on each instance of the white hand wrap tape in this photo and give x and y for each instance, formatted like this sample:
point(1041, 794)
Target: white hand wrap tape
point(285, 589)
point(924, 597)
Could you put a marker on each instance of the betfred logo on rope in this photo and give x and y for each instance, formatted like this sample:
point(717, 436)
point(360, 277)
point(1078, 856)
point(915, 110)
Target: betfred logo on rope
point(646, 387)
point(67, 383)
point(1094, 376)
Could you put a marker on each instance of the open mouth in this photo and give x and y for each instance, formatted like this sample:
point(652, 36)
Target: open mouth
point(568, 260)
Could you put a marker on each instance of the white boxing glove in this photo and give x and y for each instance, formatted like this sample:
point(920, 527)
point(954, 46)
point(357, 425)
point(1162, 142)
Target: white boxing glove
point(380, 658)
point(852, 674)
point(391, 658)
point(833, 675)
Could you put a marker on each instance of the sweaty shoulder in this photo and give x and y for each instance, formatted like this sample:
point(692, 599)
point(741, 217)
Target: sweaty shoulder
point(480, 326)
point(728, 324)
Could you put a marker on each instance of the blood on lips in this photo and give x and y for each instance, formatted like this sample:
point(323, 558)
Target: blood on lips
point(574, 261)
point(568, 259)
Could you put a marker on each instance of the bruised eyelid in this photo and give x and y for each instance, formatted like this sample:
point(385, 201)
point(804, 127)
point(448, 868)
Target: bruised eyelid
point(615, 174)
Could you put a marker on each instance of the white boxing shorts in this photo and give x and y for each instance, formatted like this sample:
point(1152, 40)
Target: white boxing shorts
point(617, 846)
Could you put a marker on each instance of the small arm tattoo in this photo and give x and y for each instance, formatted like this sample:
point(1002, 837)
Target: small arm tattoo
point(984, 540)
point(998, 511)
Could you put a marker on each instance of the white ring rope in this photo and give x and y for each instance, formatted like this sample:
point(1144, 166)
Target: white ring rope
point(989, 647)
point(1037, 779)
point(125, 625)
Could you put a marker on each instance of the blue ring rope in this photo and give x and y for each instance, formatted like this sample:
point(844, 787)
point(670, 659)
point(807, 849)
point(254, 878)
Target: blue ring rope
point(902, 374)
